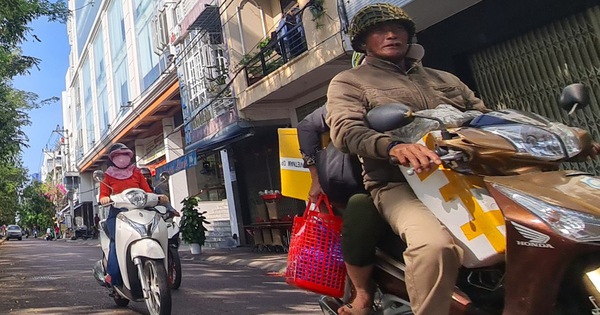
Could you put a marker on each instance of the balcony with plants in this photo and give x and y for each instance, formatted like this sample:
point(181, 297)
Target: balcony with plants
point(292, 64)
point(283, 46)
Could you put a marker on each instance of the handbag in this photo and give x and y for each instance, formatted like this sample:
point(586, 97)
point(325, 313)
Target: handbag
point(315, 261)
point(339, 173)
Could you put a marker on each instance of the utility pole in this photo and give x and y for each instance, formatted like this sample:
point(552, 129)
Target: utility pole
point(64, 133)
point(70, 178)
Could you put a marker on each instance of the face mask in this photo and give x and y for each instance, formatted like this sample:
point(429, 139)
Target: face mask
point(121, 160)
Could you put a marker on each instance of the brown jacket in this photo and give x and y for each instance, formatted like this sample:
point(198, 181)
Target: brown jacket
point(353, 92)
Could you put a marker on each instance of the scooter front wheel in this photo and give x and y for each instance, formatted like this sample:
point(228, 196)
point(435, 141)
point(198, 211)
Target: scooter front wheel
point(159, 297)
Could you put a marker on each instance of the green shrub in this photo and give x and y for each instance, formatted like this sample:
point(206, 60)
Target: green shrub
point(192, 222)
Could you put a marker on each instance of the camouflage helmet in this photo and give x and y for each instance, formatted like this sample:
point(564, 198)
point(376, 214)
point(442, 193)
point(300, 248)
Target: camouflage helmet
point(374, 14)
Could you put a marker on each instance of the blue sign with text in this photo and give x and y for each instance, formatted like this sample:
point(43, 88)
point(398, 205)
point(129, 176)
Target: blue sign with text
point(180, 164)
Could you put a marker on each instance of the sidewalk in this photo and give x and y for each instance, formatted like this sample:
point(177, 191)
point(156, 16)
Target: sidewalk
point(275, 263)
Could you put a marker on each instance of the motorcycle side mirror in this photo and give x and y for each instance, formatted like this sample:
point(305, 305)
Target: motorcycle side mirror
point(98, 175)
point(164, 176)
point(574, 96)
point(389, 117)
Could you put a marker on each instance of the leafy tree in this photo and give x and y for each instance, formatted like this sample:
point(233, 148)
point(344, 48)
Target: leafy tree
point(11, 178)
point(14, 105)
point(36, 208)
point(15, 16)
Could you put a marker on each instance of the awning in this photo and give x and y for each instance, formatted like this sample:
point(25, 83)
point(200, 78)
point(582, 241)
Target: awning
point(208, 20)
point(64, 210)
point(225, 136)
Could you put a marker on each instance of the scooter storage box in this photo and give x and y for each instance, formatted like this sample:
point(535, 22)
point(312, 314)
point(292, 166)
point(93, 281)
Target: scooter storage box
point(463, 204)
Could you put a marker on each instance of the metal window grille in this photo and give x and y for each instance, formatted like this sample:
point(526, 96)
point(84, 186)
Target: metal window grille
point(528, 72)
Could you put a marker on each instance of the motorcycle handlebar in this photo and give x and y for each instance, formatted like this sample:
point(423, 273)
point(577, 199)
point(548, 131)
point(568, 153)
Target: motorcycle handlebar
point(448, 157)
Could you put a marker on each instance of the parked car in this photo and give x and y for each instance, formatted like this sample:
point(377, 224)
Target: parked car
point(14, 231)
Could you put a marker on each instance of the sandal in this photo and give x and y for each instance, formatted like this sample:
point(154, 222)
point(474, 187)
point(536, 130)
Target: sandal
point(363, 311)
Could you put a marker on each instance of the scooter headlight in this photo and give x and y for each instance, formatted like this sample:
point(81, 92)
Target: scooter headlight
point(137, 198)
point(574, 225)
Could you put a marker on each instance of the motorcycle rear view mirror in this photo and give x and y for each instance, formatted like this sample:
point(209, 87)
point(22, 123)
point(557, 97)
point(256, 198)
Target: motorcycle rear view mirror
point(574, 96)
point(389, 117)
point(98, 175)
point(164, 176)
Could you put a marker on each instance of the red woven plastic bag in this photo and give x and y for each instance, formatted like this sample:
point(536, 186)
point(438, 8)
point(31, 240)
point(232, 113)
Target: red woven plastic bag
point(315, 261)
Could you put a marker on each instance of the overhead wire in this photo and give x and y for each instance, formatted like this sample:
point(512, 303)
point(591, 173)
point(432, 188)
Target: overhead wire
point(223, 90)
point(107, 140)
point(227, 87)
point(185, 50)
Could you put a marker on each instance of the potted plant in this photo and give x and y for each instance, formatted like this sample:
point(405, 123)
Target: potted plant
point(192, 226)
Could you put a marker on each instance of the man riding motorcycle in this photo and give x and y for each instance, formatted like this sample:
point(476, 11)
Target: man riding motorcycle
point(390, 76)
point(383, 32)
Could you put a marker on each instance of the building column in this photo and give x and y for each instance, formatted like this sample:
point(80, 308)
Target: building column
point(229, 176)
point(87, 188)
point(174, 148)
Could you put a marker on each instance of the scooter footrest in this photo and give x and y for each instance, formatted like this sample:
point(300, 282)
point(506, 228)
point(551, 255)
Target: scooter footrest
point(329, 305)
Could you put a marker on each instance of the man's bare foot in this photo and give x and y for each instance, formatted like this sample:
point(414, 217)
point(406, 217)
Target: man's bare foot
point(361, 305)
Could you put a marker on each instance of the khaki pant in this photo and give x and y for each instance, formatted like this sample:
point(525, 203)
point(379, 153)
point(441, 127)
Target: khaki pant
point(432, 259)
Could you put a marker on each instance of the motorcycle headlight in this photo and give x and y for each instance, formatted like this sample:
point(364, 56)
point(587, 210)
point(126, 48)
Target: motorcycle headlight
point(531, 140)
point(574, 225)
point(145, 230)
point(137, 198)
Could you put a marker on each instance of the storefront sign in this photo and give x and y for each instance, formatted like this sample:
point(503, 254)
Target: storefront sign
point(180, 164)
point(295, 178)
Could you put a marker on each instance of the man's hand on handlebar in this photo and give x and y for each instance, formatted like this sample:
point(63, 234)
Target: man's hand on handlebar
point(415, 155)
point(104, 200)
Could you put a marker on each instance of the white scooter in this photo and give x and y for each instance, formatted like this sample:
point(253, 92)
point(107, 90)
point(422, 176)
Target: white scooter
point(141, 248)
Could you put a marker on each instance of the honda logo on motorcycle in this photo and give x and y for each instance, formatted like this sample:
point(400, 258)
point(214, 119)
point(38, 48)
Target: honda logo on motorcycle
point(536, 239)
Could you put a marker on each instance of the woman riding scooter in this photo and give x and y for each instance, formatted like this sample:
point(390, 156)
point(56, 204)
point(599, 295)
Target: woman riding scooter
point(120, 175)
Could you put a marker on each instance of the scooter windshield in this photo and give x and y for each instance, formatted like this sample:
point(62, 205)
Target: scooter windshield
point(509, 116)
point(448, 114)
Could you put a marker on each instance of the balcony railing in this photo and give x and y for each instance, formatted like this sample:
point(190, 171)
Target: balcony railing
point(284, 45)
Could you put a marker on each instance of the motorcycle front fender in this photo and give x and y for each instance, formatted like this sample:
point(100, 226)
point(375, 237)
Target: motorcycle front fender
point(148, 248)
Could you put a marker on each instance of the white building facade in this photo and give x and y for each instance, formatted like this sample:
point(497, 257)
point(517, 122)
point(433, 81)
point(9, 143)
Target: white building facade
point(119, 88)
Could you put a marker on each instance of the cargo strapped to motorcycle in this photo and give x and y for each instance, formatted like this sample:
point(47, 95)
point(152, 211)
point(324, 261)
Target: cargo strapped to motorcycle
point(315, 261)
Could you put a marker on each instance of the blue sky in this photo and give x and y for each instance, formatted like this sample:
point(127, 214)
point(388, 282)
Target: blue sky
point(47, 82)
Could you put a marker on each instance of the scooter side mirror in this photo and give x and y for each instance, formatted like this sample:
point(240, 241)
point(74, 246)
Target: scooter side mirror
point(164, 176)
point(98, 175)
point(574, 96)
point(389, 117)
